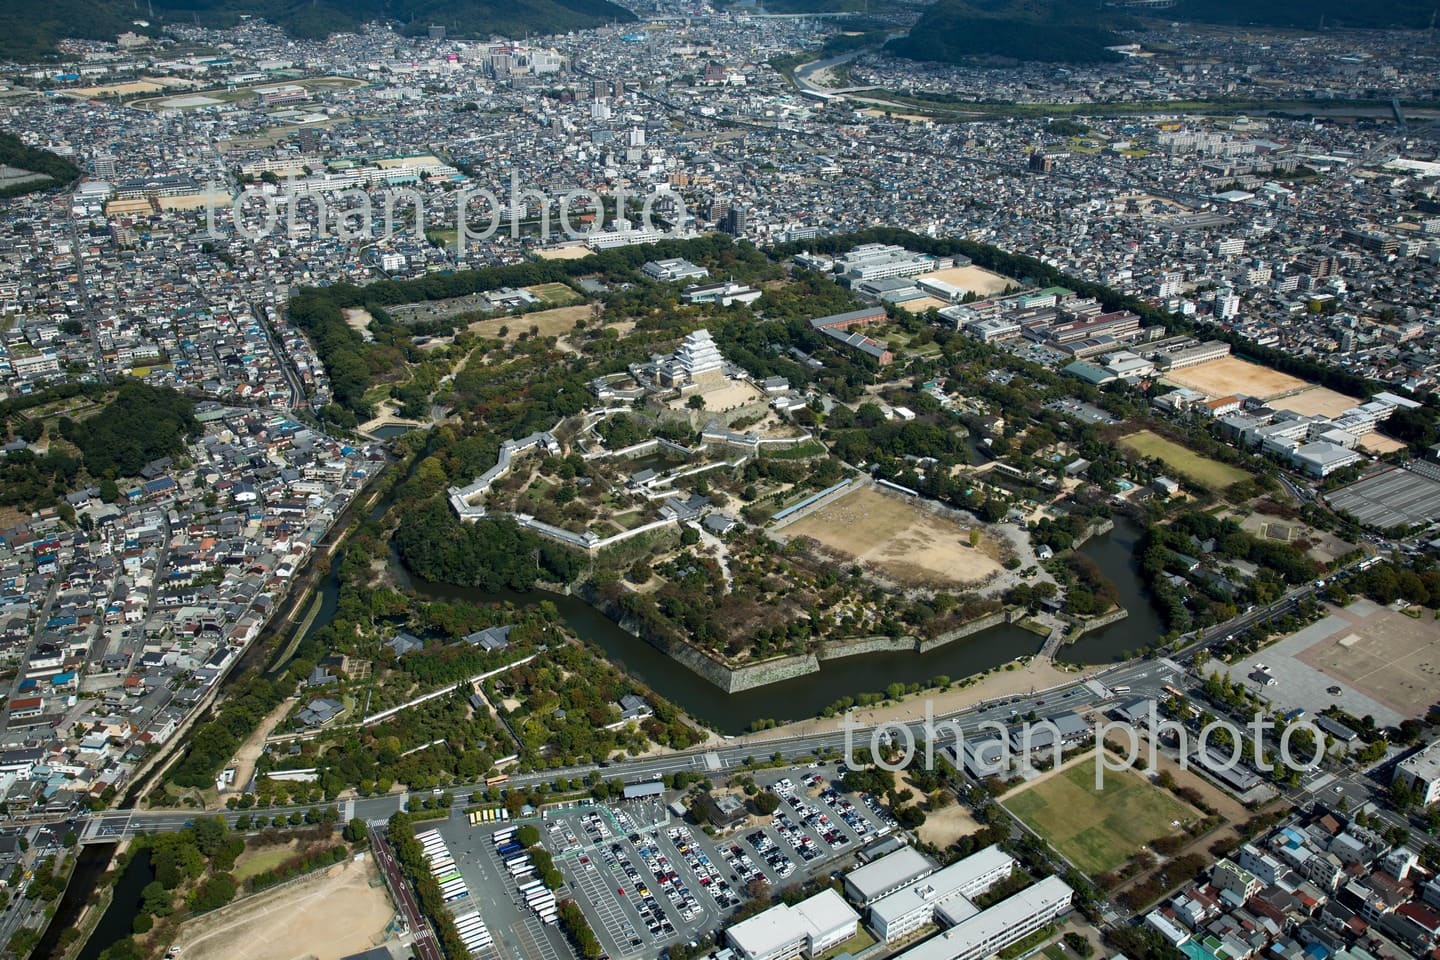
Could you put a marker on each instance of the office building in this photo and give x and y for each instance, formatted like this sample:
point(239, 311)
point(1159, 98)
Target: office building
point(734, 222)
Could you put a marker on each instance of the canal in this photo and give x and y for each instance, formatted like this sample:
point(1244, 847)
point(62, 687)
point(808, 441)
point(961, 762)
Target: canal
point(115, 923)
point(804, 697)
point(1114, 554)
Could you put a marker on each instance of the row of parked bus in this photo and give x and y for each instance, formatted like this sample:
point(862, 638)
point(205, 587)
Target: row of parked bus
point(488, 815)
point(538, 897)
point(473, 932)
point(442, 866)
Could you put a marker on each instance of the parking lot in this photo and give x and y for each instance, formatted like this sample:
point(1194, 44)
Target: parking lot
point(647, 880)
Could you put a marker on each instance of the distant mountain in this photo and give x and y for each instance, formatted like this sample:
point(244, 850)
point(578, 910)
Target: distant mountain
point(29, 28)
point(1051, 31)
point(1078, 31)
point(1306, 14)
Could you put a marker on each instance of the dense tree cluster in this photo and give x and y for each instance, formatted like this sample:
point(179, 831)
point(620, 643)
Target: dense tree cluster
point(1052, 32)
point(493, 553)
point(14, 153)
point(1165, 549)
point(142, 423)
point(1389, 581)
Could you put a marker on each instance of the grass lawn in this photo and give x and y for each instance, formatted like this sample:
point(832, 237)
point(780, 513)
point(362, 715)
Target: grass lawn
point(555, 294)
point(1202, 470)
point(251, 865)
point(853, 946)
point(1097, 830)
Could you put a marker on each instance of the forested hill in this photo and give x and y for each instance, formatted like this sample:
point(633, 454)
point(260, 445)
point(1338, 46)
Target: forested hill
point(29, 28)
point(1050, 31)
point(1071, 31)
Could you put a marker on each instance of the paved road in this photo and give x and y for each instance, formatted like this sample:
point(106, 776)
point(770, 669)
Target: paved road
point(425, 943)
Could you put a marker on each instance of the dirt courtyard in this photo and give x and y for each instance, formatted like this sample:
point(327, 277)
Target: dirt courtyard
point(1231, 375)
point(1379, 445)
point(980, 280)
point(1318, 401)
point(333, 914)
point(1385, 655)
point(726, 396)
point(902, 541)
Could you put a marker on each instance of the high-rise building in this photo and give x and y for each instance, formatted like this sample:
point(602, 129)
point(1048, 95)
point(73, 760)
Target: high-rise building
point(599, 88)
point(734, 222)
point(105, 166)
point(437, 31)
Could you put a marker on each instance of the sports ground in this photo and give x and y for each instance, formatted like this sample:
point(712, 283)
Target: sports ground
point(1208, 473)
point(1097, 830)
point(1229, 376)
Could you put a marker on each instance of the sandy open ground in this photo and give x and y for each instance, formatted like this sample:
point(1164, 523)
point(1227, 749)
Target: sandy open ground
point(980, 280)
point(1379, 445)
point(921, 305)
point(902, 541)
point(1317, 401)
point(734, 393)
point(332, 914)
point(1385, 655)
point(1229, 376)
point(359, 319)
point(124, 89)
point(552, 323)
point(577, 251)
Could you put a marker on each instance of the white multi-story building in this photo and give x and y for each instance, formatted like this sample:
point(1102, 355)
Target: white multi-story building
point(1421, 772)
point(879, 878)
point(907, 910)
point(810, 928)
point(990, 931)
